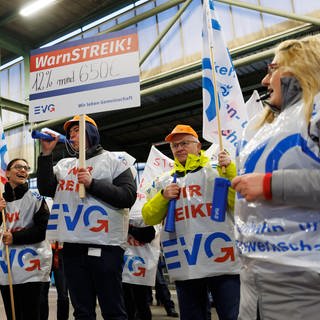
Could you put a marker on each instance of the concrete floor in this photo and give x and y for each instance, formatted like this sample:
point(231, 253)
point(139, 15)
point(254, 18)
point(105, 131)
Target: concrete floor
point(158, 313)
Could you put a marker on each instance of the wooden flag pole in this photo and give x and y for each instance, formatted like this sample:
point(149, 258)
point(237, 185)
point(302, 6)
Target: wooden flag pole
point(216, 100)
point(82, 152)
point(214, 78)
point(8, 264)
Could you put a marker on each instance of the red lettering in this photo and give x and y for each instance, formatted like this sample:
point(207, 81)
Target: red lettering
point(133, 242)
point(140, 195)
point(179, 214)
point(70, 185)
point(183, 192)
point(162, 162)
point(156, 162)
point(209, 207)
point(61, 185)
point(12, 216)
point(141, 183)
point(193, 211)
point(194, 190)
point(196, 210)
point(190, 191)
point(73, 171)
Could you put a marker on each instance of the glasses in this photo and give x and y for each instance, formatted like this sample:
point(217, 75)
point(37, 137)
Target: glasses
point(272, 67)
point(182, 144)
point(20, 167)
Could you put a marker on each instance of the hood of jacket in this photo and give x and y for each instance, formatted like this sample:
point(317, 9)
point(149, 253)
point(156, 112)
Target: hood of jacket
point(193, 163)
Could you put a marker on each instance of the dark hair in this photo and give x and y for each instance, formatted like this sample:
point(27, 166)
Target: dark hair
point(12, 162)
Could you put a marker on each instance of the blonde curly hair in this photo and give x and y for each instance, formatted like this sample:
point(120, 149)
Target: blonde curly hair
point(300, 58)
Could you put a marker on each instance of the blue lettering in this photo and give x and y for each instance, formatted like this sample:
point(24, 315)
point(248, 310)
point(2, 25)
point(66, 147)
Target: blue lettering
point(211, 238)
point(44, 108)
point(132, 261)
point(309, 226)
point(3, 264)
point(22, 253)
point(224, 70)
point(90, 210)
point(71, 224)
point(192, 257)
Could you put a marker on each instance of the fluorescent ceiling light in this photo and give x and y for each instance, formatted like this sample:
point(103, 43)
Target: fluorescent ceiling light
point(42, 3)
point(65, 37)
point(112, 15)
point(140, 2)
point(108, 17)
point(10, 63)
point(34, 7)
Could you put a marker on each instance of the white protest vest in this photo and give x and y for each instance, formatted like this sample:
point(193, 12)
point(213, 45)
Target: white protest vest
point(32, 262)
point(89, 220)
point(272, 237)
point(199, 247)
point(141, 261)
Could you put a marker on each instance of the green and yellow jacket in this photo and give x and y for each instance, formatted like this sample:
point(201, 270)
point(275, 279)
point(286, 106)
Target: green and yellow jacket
point(155, 209)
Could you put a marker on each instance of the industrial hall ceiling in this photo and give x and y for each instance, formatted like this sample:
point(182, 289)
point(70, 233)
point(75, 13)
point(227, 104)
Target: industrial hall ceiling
point(166, 99)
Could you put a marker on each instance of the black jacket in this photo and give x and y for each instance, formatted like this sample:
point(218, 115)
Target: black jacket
point(143, 234)
point(121, 193)
point(37, 232)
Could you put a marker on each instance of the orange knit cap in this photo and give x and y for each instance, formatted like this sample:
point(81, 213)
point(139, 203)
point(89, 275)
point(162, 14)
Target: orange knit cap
point(181, 128)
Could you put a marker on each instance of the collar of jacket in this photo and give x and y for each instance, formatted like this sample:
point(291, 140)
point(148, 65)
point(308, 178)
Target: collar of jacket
point(16, 193)
point(193, 163)
point(92, 151)
point(291, 92)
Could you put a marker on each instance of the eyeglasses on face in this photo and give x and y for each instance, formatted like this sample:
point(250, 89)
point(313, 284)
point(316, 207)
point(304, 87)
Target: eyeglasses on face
point(182, 144)
point(21, 167)
point(272, 67)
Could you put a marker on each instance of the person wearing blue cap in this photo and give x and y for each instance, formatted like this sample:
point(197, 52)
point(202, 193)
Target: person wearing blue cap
point(94, 229)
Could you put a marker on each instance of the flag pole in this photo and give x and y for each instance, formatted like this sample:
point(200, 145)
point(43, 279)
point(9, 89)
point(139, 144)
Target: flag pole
point(216, 100)
point(8, 263)
point(2, 182)
point(214, 78)
point(82, 152)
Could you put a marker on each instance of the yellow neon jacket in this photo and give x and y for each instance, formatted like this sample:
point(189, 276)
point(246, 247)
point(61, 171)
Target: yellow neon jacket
point(155, 209)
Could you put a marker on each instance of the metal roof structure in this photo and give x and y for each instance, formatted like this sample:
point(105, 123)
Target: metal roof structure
point(21, 34)
point(167, 98)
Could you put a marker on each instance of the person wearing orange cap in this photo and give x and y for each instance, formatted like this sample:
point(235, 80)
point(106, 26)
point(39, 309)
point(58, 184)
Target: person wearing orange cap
point(94, 229)
point(199, 253)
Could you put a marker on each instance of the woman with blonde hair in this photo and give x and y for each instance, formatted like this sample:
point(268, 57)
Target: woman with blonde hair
point(278, 210)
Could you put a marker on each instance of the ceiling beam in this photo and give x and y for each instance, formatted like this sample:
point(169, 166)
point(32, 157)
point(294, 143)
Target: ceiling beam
point(164, 31)
point(14, 106)
point(130, 22)
point(280, 13)
point(14, 44)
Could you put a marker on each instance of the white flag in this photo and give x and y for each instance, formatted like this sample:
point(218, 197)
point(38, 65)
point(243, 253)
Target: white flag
point(233, 117)
point(3, 155)
point(157, 164)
